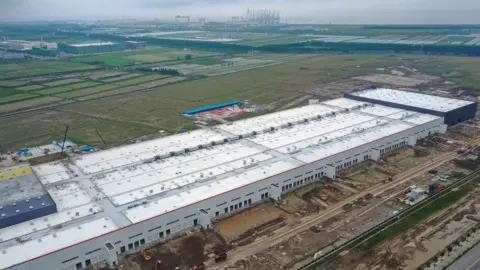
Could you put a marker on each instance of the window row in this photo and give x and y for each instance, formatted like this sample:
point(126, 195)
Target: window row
point(392, 147)
point(235, 207)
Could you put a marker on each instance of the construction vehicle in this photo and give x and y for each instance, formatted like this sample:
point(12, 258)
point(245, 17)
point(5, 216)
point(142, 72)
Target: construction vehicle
point(199, 267)
point(323, 197)
point(220, 257)
point(158, 264)
point(145, 255)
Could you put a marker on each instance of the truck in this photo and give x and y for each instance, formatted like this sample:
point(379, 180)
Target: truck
point(199, 267)
point(220, 257)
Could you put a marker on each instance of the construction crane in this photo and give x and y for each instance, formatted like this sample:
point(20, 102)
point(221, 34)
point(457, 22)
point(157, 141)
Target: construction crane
point(178, 18)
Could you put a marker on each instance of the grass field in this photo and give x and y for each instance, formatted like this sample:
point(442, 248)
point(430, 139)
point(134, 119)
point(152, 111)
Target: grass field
point(62, 82)
point(30, 87)
point(8, 67)
point(121, 78)
point(66, 88)
point(10, 107)
point(88, 91)
point(145, 56)
point(7, 91)
point(35, 68)
point(11, 98)
point(160, 108)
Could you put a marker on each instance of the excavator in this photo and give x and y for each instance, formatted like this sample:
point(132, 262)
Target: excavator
point(145, 255)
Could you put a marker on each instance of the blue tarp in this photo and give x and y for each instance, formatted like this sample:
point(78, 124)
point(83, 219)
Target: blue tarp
point(86, 148)
point(211, 107)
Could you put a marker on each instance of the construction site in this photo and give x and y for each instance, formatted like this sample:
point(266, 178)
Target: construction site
point(266, 192)
point(321, 215)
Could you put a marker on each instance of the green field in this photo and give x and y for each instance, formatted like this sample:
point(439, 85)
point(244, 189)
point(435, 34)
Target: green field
point(30, 87)
point(160, 108)
point(66, 88)
point(7, 91)
point(9, 67)
point(16, 97)
point(62, 82)
point(36, 68)
point(138, 57)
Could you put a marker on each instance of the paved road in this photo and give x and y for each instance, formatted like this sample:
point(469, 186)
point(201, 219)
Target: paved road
point(469, 261)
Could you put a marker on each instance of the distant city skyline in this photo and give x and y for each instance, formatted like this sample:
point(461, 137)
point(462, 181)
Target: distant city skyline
point(295, 11)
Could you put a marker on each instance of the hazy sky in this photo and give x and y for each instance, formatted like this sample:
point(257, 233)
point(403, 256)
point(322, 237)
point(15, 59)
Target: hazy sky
point(300, 11)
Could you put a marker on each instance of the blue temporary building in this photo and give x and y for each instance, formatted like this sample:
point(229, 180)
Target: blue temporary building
point(211, 107)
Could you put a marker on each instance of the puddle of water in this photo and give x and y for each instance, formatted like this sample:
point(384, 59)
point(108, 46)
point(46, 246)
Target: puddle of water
point(439, 241)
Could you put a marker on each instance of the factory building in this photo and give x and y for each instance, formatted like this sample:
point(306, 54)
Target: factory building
point(453, 111)
point(121, 199)
point(90, 48)
point(135, 45)
point(23, 197)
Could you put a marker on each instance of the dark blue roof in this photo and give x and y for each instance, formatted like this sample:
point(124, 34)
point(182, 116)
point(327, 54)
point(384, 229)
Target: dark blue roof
point(26, 209)
point(211, 107)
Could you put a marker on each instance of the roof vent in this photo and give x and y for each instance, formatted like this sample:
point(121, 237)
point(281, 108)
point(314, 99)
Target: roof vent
point(77, 214)
point(40, 240)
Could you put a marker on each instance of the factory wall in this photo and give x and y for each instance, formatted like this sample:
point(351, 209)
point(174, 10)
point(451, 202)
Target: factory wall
point(450, 118)
point(461, 114)
point(90, 49)
point(161, 227)
point(394, 105)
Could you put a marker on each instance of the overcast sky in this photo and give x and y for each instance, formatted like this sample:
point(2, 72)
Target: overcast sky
point(297, 11)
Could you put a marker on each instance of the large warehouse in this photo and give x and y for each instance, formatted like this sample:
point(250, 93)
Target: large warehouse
point(90, 48)
point(454, 111)
point(118, 200)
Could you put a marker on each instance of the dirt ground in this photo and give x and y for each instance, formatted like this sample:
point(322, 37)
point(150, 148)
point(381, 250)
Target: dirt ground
point(232, 227)
point(184, 252)
point(409, 251)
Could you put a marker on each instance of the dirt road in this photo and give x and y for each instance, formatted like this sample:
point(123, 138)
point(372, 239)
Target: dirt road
point(282, 234)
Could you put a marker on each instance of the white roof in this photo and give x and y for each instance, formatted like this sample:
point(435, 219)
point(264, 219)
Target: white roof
point(133, 153)
point(51, 242)
point(345, 103)
point(313, 129)
point(276, 119)
point(91, 44)
point(52, 172)
point(163, 187)
point(201, 193)
point(128, 176)
point(436, 103)
point(68, 195)
point(48, 221)
point(176, 171)
point(357, 139)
